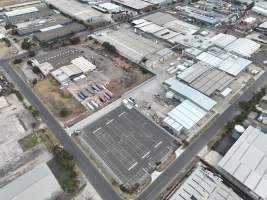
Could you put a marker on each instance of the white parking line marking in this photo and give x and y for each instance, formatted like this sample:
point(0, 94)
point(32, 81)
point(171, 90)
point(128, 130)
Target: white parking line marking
point(146, 154)
point(109, 122)
point(96, 130)
point(157, 145)
point(133, 166)
point(121, 114)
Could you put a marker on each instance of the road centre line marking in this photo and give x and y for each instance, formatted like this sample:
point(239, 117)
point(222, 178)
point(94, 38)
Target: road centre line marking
point(157, 145)
point(121, 114)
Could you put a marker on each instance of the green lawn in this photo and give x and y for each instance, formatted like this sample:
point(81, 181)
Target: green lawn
point(28, 142)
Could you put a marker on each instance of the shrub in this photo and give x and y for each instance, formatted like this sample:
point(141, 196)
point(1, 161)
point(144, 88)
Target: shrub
point(64, 112)
point(17, 61)
point(109, 47)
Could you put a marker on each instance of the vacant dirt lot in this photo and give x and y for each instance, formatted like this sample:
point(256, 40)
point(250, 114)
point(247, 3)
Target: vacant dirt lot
point(5, 50)
point(57, 99)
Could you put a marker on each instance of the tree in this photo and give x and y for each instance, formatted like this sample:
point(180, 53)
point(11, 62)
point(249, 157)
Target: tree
point(36, 70)
point(17, 61)
point(109, 47)
point(26, 44)
point(64, 112)
point(70, 184)
point(34, 82)
point(75, 40)
point(64, 158)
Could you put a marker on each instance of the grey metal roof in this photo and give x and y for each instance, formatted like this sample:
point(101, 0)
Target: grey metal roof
point(37, 184)
point(59, 32)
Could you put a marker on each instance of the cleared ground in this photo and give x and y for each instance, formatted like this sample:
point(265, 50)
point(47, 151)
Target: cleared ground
point(57, 99)
point(130, 145)
point(5, 50)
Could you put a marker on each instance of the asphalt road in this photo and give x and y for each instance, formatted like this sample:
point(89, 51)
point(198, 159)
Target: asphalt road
point(97, 180)
point(167, 176)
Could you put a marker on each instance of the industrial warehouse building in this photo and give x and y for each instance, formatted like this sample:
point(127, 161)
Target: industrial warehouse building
point(185, 115)
point(55, 33)
point(37, 184)
point(79, 11)
point(224, 61)
point(135, 5)
point(184, 91)
point(129, 44)
point(194, 107)
point(206, 78)
point(78, 67)
point(246, 161)
point(205, 185)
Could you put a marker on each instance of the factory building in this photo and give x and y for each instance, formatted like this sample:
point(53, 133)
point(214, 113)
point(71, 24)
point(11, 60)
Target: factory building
point(246, 161)
point(204, 184)
point(37, 184)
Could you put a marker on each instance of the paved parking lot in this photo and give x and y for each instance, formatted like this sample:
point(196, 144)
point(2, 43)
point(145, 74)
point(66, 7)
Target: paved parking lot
point(128, 143)
point(59, 57)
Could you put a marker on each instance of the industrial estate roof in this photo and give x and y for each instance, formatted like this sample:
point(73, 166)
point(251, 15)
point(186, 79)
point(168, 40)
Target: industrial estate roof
point(205, 78)
point(59, 32)
point(227, 62)
point(37, 184)
point(77, 10)
point(243, 46)
point(190, 93)
point(187, 114)
point(132, 46)
point(21, 11)
point(136, 4)
point(83, 64)
point(204, 184)
point(247, 161)
point(222, 40)
point(159, 18)
point(182, 27)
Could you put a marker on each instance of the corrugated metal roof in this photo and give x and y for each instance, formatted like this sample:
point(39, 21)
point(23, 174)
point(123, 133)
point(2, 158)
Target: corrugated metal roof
point(243, 46)
point(21, 11)
point(205, 185)
point(83, 64)
point(187, 114)
point(37, 184)
point(222, 40)
point(247, 160)
point(191, 94)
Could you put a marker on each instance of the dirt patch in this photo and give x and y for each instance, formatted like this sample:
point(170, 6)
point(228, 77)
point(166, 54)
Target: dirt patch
point(5, 50)
point(167, 163)
point(57, 99)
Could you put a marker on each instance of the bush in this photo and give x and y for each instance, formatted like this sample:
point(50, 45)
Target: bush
point(8, 43)
point(18, 94)
point(64, 112)
point(17, 61)
point(109, 47)
point(64, 158)
point(70, 184)
point(26, 44)
point(36, 70)
point(75, 40)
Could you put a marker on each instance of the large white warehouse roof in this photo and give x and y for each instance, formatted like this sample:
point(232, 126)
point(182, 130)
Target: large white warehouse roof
point(37, 184)
point(222, 40)
point(247, 161)
point(190, 93)
point(21, 11)
point(243, 46)
point(187, 114)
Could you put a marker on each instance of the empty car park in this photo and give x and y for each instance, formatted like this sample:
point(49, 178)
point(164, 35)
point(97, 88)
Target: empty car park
point(129, 145)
